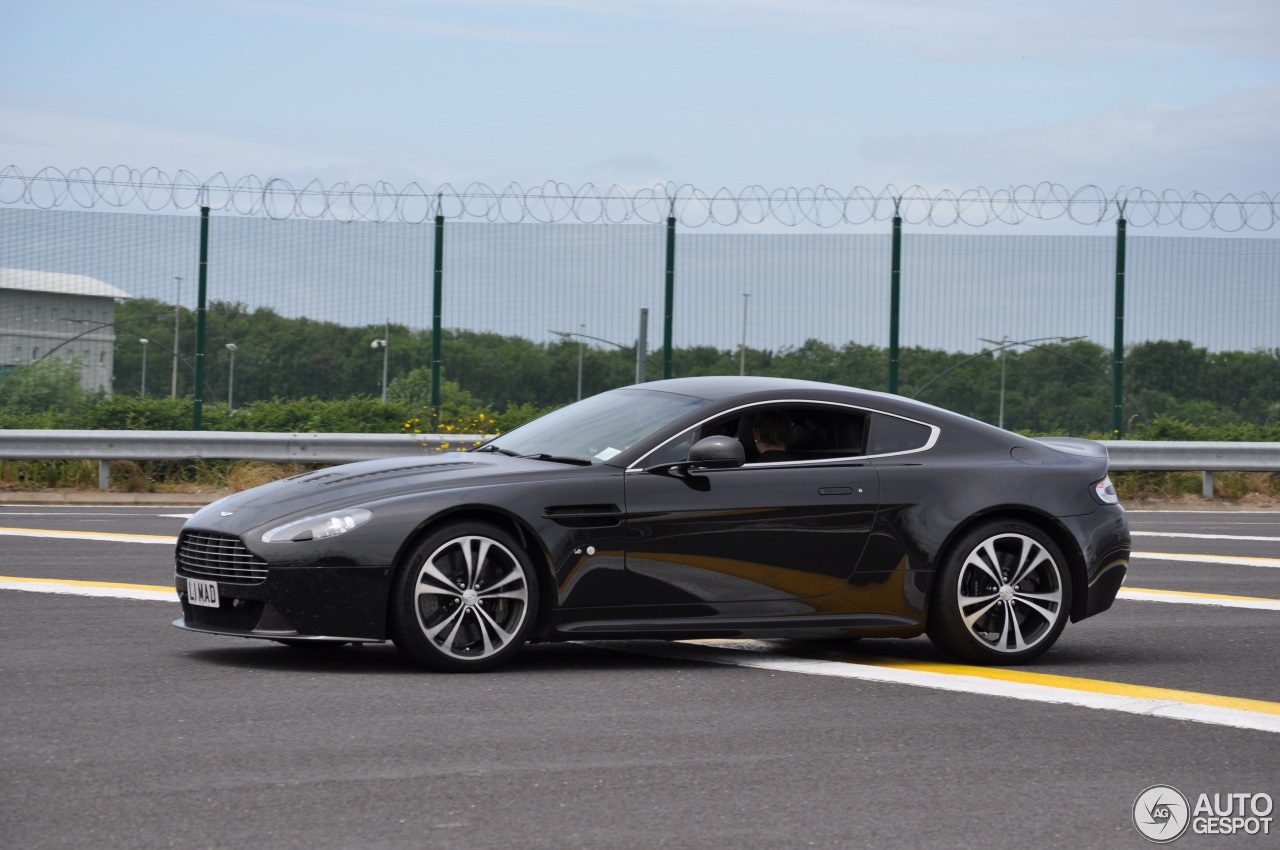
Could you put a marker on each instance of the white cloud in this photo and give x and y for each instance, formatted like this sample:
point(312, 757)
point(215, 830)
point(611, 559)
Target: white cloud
point(1229, 143)
point(976, 30)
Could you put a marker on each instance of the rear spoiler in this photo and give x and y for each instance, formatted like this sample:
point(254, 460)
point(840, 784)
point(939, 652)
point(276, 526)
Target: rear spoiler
point(1075, 446)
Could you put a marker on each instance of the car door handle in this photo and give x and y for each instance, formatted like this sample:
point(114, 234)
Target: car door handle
point(835, 491)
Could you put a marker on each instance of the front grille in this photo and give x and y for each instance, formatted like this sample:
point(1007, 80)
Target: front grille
point(219, 557)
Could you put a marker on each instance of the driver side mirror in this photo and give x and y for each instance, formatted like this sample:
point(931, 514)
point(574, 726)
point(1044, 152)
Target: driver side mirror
point(707, 453)
point(717, 453)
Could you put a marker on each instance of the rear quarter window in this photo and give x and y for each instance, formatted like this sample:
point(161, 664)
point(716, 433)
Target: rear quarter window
point(890, 435)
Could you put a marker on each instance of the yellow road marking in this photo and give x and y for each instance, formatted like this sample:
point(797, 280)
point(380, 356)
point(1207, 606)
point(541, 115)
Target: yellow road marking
point(87, 535)
point(1193, 594)
point(1238, 712)
point(1073, 683)
point(77, 583)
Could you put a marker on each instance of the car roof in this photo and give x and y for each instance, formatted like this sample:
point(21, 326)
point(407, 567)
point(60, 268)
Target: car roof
point(719, 387)
point(755, 388)
point(752, 389)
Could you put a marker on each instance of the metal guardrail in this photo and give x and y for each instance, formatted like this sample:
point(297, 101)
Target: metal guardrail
point(1168, 455)
point(105, 446)
point(1203, 457)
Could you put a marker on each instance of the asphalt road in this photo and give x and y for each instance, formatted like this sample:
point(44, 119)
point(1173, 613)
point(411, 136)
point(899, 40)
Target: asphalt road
point(122, 732)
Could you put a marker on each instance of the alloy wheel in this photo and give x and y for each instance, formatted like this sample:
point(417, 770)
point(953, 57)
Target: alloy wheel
point(1010, 593)
point(471, 597)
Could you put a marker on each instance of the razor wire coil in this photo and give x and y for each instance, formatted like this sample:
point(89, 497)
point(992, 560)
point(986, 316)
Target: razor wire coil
point(154, 190)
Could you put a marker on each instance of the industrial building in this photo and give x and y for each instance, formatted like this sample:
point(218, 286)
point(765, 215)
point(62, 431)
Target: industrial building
point(49, 314)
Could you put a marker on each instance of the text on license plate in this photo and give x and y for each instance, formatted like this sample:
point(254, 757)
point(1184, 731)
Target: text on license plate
point(200, 592)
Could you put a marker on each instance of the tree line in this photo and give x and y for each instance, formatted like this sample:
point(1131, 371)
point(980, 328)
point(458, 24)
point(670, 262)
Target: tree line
point(1049, 388)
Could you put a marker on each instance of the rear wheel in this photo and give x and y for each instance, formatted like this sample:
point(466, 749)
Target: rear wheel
point(1003, 595)
point(464, 599)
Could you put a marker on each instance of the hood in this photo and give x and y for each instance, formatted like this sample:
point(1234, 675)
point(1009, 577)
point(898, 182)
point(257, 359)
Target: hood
point(370, 480)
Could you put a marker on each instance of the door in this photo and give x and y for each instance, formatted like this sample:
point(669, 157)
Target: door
point(758, 533)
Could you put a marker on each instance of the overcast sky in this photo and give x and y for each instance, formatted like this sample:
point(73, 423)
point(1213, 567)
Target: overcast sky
point(1179, 95)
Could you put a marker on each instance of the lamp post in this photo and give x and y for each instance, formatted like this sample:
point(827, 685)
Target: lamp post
point(177, 313)
point(583, 327)
point(1004, 343)
point(565, 335)
point(642, 346)
point(384, 344)
point(231, 378)
point(97, 326)
point(143, 389)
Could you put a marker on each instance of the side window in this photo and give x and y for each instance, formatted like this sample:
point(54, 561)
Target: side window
point(889, 434)
point(674, 451)
point(805, 432)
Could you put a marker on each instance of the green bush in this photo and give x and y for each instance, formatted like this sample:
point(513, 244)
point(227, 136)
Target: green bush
point(50, 386)
point(1168, 428)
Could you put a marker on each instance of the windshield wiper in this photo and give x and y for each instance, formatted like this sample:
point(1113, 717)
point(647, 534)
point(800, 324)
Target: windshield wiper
point(492, 448)
point(576, 461)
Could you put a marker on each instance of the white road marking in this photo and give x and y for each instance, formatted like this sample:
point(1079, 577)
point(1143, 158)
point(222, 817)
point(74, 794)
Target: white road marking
point(88, 535)
point(1203, 536)
point(1142, 594)
point(151, 593)
point(1028, 686)
point(1231, 560)
point(1204, 513)
point(1238, 713)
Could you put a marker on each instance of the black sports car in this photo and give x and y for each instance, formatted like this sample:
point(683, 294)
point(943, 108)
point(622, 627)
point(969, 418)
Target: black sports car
point(695, 507)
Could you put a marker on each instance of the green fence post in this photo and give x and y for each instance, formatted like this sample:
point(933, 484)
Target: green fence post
point(670, 296)
point(895, 296)
point(197, 410)
point(1117, 367)
point(436, 293)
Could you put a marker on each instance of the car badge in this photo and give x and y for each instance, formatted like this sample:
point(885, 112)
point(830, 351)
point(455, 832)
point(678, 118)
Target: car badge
point(227, 513)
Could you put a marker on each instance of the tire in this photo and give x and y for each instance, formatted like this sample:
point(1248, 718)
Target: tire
point(464, 599)
point(1002, 596)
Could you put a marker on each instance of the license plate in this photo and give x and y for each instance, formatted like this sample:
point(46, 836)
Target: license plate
point(203, 593)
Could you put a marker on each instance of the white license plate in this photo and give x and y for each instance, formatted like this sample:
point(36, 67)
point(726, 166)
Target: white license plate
point(204, 593)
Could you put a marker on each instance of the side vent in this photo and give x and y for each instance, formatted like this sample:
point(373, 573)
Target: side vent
point(584, 516)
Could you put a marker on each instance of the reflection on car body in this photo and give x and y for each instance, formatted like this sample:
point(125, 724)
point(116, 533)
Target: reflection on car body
point(646, 512)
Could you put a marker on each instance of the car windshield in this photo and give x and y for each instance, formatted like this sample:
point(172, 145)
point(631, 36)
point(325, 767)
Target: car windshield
point(598, 428)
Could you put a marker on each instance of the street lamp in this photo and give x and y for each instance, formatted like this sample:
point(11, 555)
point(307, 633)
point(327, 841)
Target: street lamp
point(384, 344)
point(231, 378)
point(144, 366)
point(1004, 343)
point(565, 335)
point(582, 326)
point(177, 313)
point(642, 346)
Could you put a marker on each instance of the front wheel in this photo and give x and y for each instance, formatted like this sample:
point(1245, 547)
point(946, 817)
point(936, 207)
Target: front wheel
point(464, 599)
point(1003, 595)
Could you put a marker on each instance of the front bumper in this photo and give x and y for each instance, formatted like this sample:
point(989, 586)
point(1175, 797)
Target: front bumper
point(298, 603)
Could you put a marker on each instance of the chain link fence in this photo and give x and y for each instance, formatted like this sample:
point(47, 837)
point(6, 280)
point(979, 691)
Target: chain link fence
point(330, 291)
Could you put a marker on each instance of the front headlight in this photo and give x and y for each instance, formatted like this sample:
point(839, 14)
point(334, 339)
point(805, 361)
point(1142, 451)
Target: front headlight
point(318, 527)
